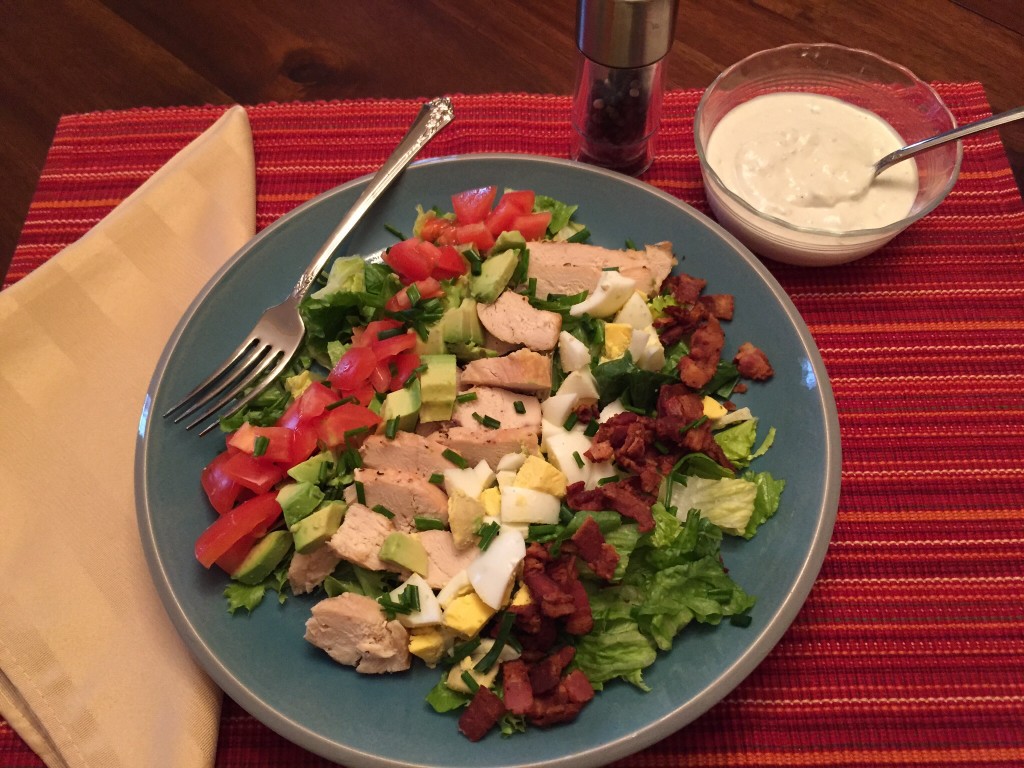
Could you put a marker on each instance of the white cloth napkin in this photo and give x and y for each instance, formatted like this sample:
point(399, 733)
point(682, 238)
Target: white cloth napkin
point(92, 673)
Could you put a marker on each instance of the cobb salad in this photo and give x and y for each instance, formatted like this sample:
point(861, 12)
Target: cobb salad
point(504, 452)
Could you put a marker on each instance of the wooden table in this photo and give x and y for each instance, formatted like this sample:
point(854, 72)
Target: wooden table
point(85, 55)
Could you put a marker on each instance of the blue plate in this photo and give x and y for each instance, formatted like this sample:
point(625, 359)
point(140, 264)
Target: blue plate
point(262, 661)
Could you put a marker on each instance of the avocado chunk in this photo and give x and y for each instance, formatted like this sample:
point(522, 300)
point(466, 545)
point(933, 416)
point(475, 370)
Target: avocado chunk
point(313, 530)
point(494, 276)
point(309, 471)
point(434, 343)
point(464, 517)
point(403, 404)
point(437, 387)
point(462, 324)
point(406, 550)
point(298, 500)
point(265, 555)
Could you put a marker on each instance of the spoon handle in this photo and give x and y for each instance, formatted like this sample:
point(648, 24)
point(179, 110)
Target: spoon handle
point(952, 135)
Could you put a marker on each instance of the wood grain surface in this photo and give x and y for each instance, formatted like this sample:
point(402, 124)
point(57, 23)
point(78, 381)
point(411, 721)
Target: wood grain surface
point(59, 57)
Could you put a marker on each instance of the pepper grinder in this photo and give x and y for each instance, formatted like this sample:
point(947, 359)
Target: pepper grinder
point(619, 81)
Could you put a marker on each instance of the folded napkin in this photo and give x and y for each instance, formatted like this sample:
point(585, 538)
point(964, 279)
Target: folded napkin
point(92, 672)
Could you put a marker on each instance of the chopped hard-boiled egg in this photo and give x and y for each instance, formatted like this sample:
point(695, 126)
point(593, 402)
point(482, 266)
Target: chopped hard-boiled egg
point(512, 461)
point(429, 613)
point(427, 643)
point(491, 499)
point(573, 354)
point(541, 476)
point(713, 409)
point(471, 480)
point(492, 573)
point(556, 409)
point(612, 291)
point(525, 505)
point(582, 384)
point(565, 451)
point(457, 586)
point(467, 614)
point(616, 340)
point(468, 664)
point(635, 312)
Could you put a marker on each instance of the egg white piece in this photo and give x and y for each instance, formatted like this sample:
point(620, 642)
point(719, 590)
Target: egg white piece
point(459, 584)
point(635, 312)
point(556, 409)
point(572, 353)
point(430, 608)
point(612, 291)
point(580, 383)
point(525, 505)
point(491, 573)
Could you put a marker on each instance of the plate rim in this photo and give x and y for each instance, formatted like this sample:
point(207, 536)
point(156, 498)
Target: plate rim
point(679, 717)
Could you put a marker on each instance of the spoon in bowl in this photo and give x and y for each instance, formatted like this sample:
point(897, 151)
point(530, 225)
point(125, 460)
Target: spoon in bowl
point(951, 135)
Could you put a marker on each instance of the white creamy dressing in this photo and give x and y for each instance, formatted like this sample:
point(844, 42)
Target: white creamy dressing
point(807, 159)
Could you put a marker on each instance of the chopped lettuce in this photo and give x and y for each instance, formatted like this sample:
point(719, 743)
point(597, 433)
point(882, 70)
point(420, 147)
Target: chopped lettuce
point(345, 276)
point(725, 501)
point(737, 442)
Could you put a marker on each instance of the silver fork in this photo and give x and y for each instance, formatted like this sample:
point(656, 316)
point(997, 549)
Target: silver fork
point(278, 333)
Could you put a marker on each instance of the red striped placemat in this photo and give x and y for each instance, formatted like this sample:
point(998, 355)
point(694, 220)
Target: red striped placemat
point(910, 648)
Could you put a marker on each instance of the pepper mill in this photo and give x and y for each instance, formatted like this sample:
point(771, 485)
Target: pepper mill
point(619, 81)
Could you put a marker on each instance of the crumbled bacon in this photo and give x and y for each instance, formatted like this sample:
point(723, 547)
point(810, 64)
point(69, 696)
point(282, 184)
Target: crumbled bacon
point(624, 496)
point(483, 713)
point(545, 675)
point(549, 595)
point(721, 305)
point(598, 554)
point(517, 689)
point(684, 288)
point(578, 686)
point(752, 363)
point(586, 412)
point(697, 367)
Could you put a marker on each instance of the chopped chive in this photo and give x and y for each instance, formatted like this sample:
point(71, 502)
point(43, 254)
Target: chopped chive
point(531, 287)
point(609, 269)
point(360, 492)
point(437, 478)
point(541, 530)
point(352, 458)
point(343, 401)
point(394, 231)
point(487, 533)
point(660, 447)
point(411, 597)
point(380, 509)
point(580, 236)
point(565, 514)
point(325, 468)
point(387, 333)
point(455, 459)
point(740, 620)
point(630, 245)
point(571, 422)
point(578, 459)
point(591, 428)
point(488, 421)
point(609, 479)
point(355, 432)
point(391, 608)
point(391, 428)
point(693, 424)
point(491, 657)
point(520, 406)
point(428, 524)
point(641, 411)
point(260, 445)
point(474, 261)
point(470, 681)
point(459, 652)
point(413, 293)
point(465, 397)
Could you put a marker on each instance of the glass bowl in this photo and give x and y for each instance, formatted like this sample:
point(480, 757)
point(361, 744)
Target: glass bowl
point(858, 77)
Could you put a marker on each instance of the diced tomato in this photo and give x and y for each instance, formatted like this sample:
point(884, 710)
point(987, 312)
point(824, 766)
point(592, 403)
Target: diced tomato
point(450, 264)
point(232, 560)
point(437, 229)
point(367, 336)
point(221, 490)
point(427, 289)
point(412, 259)
point(250, 518)
point(279, 441)
point(308, 406)
point(403, 364)
point(353, 368)
point(387, 348)
point(512, 204)
point(362, 395)
point(346, 418)
point(473, 205)
point(255, 474)
point(380, 379)
point(532, 226)
point(304, 443)
point(475, 234)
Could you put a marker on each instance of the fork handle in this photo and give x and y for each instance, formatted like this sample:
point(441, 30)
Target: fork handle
point(433, 116)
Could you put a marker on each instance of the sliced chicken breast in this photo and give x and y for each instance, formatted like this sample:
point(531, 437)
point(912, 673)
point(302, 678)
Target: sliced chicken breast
point(307, 571)
point(408, 451)
point(444, 558)
point(521, 371)
point(407, 495)
point(569, 268)
point(353, 630)
point(513, 320)
point(360, 536)
point(499, 404)
point(490, 445)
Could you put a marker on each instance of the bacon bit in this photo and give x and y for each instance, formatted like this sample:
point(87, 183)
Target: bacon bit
point(517, 687)
point(752, 363)
point(595, 551)
point(721, 305)
point(483, 713)
point(553, 600)
point(586, 412)
point(556, 707)
point(624, 496)
point(547, 674)
point(697, 368)
point(685, 289)
point(578, 686)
